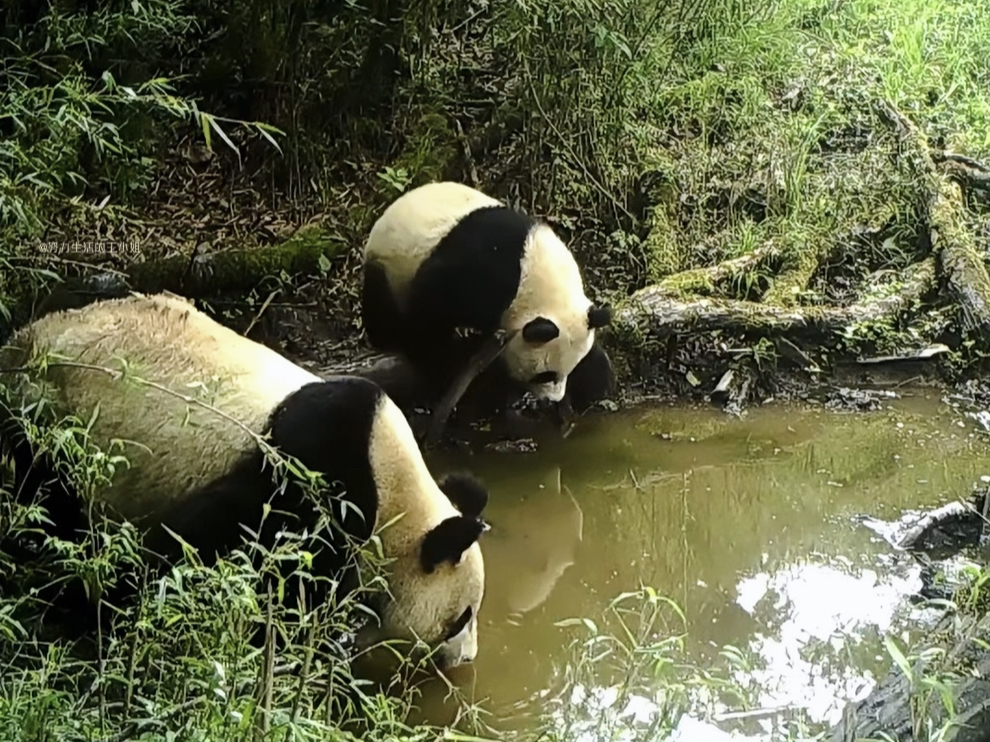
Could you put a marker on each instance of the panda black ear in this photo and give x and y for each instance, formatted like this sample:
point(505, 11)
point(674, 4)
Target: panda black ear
point(540, 330)
point(449, 540)
point(466, 493)
point(599, 317)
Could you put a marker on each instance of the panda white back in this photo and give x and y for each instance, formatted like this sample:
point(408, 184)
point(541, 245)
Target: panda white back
point(445, 256)
point(410, 228)
point(185, 355)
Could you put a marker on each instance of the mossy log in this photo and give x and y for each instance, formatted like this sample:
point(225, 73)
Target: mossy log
point(706, 280)
point(789, 285)
point(680, 303)
point(308, 251)
point(665, 254)
point(806, 241)
point(652, 311)
point(960, 264)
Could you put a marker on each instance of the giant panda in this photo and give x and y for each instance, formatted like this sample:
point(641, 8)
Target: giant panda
point(200, 471)
point(445, 256)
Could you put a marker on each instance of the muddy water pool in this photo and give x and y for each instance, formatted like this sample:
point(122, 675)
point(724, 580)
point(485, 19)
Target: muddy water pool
point(753, 526)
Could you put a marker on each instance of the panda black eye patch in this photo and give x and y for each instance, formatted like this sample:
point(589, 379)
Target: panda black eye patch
point(546, 377)
point(540, 330)
point(458, 626)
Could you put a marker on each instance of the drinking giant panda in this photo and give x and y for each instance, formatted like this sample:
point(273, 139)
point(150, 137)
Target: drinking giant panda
point(200, 470)
point(445, 256)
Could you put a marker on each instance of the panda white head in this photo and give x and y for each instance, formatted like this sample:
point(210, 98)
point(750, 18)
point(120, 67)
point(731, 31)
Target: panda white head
point(437, 573)
point(437, 597)
point(553, 320)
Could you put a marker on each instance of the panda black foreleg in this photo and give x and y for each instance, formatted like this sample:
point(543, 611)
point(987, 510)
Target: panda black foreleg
point(592, 381)
point(66, 605)
point(489, 351)
point(230, 513)
point(35, 480)
point(404, 384)
point(383, 321)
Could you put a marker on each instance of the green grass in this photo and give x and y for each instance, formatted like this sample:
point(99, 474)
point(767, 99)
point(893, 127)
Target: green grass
point(931, 62)
point(783, 110)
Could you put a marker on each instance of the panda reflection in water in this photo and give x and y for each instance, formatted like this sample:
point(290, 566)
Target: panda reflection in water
point(443, 257)
point(205, 475)
point(536, 546)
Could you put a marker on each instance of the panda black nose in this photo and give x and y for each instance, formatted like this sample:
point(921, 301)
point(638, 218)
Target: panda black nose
point(546, 377)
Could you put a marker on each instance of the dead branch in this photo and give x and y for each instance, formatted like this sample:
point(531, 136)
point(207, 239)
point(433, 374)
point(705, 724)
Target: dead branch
point(947, 530)
point(966, 175)
point(945, 156)
point(655, 312)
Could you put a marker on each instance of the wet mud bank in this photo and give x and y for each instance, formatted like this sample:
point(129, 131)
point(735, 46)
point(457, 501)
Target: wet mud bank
point(692, 369)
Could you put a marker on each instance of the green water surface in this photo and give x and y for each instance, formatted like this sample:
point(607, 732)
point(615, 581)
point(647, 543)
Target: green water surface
point(749, 524)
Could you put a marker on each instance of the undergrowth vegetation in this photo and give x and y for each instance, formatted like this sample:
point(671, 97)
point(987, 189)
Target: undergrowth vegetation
point(662, 137)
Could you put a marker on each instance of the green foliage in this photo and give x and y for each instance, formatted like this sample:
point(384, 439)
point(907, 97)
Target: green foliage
point(83, 112)
point(71, 118)
point(57, 128)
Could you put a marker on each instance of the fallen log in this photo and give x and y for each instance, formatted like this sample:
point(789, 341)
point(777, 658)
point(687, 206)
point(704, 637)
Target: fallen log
point(706, 280)
point(947, 530)
point(652, 311)
point(960, 263)
point(309, 251)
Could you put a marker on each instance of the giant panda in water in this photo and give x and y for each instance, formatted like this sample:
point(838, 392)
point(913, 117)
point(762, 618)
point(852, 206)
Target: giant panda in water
point(203, 474)
point(445, 256)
